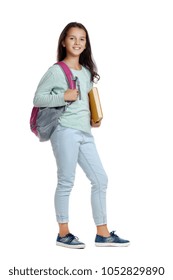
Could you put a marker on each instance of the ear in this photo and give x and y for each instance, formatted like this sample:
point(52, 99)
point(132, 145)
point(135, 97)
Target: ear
point(63, 44)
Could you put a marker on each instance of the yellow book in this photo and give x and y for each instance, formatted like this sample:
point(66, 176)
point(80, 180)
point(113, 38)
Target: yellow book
point(95, 105)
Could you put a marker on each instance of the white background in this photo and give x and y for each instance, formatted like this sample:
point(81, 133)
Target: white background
point(132, 44)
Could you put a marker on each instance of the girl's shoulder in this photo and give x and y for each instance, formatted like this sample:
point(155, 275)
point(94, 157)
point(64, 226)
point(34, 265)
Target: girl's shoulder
point(86, 70)
point(56, 72)
point(55, 69)
point(87, 73)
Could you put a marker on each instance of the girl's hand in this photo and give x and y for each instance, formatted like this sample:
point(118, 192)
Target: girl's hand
point(71, 95)
point(97, 124)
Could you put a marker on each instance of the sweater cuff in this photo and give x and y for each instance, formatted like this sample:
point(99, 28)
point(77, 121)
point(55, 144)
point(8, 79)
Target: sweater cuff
point(62, 102)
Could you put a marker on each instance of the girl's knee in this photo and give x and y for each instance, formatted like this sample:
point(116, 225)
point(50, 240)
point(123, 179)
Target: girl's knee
point(100, 183)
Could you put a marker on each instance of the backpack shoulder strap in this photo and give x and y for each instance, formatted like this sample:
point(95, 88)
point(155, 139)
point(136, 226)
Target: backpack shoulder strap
point(68, 74)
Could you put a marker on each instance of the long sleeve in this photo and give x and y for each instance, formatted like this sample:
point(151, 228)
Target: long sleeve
point(50, 91)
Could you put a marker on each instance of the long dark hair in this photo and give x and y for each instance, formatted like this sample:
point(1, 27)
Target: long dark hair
point(86, 58)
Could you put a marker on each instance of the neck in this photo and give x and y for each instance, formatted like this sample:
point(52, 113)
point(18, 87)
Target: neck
point(73, 62)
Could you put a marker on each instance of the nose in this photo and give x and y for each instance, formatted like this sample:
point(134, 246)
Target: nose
point(77, 42)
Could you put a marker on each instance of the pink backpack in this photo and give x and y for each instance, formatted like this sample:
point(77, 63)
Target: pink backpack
point(35, 110)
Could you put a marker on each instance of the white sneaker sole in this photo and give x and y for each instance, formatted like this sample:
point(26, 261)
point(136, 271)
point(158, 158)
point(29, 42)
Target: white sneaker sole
point(79, 246)
point(112, 244)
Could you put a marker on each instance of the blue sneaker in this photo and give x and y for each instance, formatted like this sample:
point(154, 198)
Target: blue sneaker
point(69, 241)
point(112, 241)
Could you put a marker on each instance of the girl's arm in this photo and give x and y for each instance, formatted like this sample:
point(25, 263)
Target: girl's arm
point(49, 93)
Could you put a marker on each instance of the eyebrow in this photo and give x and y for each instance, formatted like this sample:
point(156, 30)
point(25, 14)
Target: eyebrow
point(75, 36)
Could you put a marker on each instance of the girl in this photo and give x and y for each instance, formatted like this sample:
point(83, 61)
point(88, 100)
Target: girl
point(72, 141)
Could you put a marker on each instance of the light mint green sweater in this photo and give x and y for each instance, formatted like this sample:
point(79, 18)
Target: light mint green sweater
point(50, 93)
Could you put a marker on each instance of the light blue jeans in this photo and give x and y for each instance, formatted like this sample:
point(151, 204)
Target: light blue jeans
point(71, 146)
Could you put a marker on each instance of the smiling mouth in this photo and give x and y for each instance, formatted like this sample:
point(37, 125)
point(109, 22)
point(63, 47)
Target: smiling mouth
point(76, 48)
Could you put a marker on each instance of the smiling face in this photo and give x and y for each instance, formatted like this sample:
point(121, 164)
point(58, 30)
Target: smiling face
point(75, 41)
